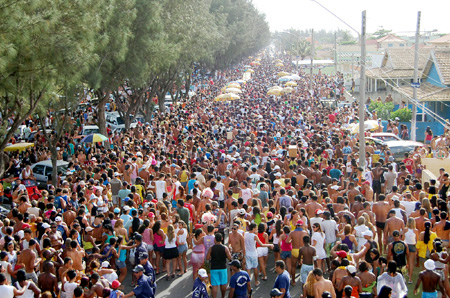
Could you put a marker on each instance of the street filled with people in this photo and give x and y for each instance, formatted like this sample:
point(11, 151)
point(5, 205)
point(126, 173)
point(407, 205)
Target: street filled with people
point(228, 191)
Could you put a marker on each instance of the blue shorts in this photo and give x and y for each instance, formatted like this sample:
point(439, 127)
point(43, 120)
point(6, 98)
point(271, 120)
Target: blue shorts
point(286, 254)
point(182, 248)
point(304, 271)
point(429, 294)
point(219, 277)
point(120, 264)
point(251, 262)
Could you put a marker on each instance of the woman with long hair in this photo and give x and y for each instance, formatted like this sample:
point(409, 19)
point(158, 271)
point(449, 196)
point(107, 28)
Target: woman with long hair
point(348, 238)
point(158, 243)
point(170, 251)
point(308, 287)
point(318, 239)
point(411, 236)
point(263, 252)
point(358, 232)
point(275, 237)
point(182, 235)
point(425, 242)
point(147, 237)
point(198, 252)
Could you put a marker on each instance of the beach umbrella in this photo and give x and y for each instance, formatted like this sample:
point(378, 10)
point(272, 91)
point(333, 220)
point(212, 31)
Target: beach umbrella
point(258, 59)
point(250, 70)
point(247, 66)
point(278, 61)
point(285, 79)
point(279, 64)
point(276, 92)
point(241, 81)
point(221, 97)
point(275, 87)
point(282, 74)
point(94, 138)
point(234, 85)
point(288, 90)
point(295, 77)
point(232, 96)
point(368, 125)
point(291, 84)
point(233, 90)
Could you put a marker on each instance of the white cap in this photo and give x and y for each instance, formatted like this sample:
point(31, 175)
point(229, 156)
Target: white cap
point(203, 273)
point(58, 218)
point(126, 208)
point(276, 168)
point(277, 182)
point(45, 225)
point(429, 265)
point(116, 174)
point(105, 264)
point(352, 269)
point(20, 234)
point(277, 174)
point(242, 211)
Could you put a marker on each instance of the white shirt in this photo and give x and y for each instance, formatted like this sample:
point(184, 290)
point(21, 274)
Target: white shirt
point(160, 188)
point(6, 291)
point(250, 244)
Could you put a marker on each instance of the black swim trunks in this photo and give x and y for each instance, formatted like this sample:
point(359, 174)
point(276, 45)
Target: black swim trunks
point(380, 225)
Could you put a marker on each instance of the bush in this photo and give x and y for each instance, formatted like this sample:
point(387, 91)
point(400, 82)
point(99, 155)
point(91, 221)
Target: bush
point(405, 115)
point(383, 110)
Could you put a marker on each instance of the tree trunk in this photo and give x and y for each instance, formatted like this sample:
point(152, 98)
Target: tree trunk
point(101, 120)
point(55, 176)
point(161, 101)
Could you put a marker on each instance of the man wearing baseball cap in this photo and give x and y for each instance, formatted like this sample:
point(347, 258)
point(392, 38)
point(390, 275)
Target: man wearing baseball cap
point(199, 287)
point(240, 282)
point(143, 288)
point(148, 270)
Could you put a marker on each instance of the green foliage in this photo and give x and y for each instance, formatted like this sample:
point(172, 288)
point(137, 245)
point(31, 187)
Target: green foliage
point(381, 32)
point(383, 110)
point(405, 115)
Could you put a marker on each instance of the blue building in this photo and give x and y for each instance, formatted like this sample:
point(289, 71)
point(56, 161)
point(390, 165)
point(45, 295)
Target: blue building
point(434, 91)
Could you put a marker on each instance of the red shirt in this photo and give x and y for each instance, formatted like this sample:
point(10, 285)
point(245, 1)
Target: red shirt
point(409, 164)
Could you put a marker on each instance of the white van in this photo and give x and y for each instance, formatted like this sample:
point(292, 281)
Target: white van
point(90, 129)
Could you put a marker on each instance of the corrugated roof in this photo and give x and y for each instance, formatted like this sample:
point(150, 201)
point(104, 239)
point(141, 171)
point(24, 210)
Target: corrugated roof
point(442, 56)
point(426, 92)
point(440, 40)
point(404, 58)
point(390, 37)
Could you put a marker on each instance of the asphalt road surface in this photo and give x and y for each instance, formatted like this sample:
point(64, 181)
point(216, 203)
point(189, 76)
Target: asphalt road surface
point(181, 287)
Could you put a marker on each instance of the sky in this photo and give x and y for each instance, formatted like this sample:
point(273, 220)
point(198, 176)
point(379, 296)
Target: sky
point(400, 16)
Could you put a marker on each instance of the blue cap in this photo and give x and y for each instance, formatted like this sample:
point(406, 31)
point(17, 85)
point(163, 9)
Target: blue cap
point(116, 210)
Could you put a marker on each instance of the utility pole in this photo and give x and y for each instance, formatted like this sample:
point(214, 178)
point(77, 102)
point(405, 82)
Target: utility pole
point(353, 68)
point(335, 53)
point(416, 79)
point(312, 62)
point(362, 94)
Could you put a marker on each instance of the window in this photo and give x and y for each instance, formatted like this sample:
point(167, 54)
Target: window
point(402, 44)
point(390, 45)
point(48, 171)
point(38, 170)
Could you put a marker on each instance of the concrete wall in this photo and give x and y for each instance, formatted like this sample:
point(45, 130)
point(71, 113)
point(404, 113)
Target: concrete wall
point(434, 164)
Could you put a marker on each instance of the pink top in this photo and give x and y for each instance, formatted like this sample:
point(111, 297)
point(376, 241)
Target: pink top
point(146, 237)
point(286, 246)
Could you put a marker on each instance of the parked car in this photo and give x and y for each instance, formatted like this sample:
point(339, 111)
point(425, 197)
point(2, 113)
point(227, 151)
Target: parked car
point(385, 136)
point(43, 171)
point(116, 123)
point(90, 129)
point(399, 148)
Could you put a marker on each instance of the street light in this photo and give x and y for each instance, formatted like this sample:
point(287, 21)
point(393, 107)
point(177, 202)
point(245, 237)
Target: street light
point(362, 82)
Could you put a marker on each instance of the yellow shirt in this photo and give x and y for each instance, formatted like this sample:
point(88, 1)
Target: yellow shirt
point(422, 248)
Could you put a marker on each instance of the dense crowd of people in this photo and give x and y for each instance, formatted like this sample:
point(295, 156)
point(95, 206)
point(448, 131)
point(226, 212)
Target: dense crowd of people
point(222, 187)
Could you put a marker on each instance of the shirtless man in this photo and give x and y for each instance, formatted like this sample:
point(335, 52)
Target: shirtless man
point(322, 285)
point(236, 243)
point(380, 208)
point(47, 280)
point(97, 287)
point(442, 229)
point(77, 254)
point(296, 238)
point(421, 220)
point(376, 184)
point(367, 210)
point(429, 280)
point(306, 258)
point(28, 258)
point(312, 206)
point(300, 178)
point(392, 224)
point(55, 237)
point(352, 193)
point(367, 191)
point(351, 279)
point(70, 215)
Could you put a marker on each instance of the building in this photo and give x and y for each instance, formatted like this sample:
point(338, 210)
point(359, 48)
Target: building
point(391, 41)
point(443, 41)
